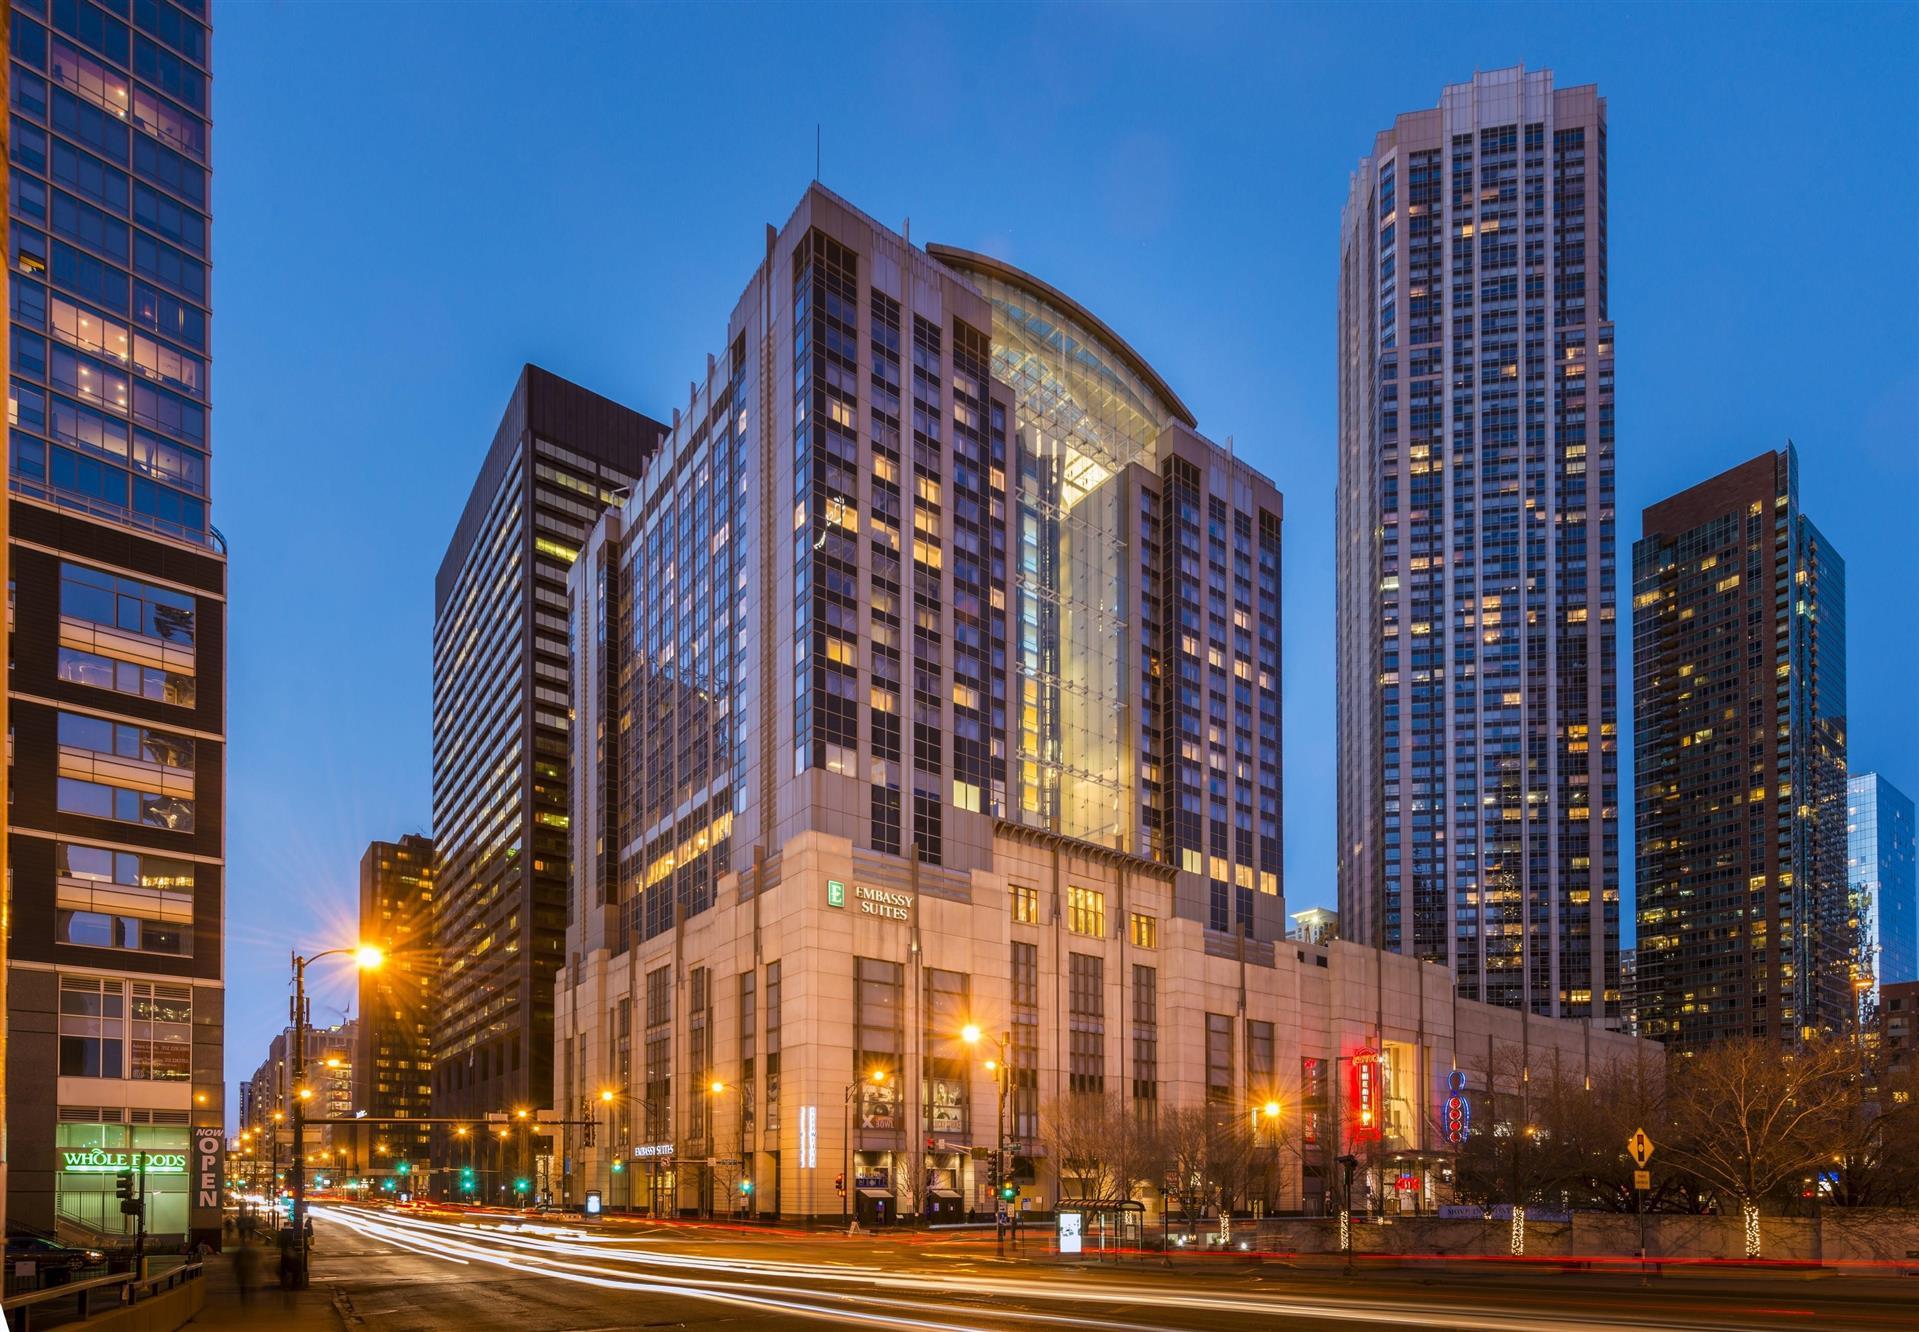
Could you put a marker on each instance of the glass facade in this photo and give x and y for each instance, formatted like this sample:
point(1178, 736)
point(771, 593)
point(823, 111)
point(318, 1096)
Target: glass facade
point(502, 735)
point(393, 1051)
point(1478, 763)
point(1879, 869)
point(108, 390)
point(1740, 691)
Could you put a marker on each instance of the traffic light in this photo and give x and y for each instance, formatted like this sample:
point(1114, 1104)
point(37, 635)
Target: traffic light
point(1008, 1191)
point(519, 1186)
point(619, 1167)
point(839, 1184)
point(123, 1184)
point(404, 1167)
point(746, 1186)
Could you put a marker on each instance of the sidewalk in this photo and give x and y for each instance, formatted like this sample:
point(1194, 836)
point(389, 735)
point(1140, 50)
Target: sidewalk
point(309, 1310)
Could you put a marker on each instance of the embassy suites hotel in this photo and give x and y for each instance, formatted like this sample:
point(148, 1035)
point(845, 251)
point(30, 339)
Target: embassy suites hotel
point(116, 616)
point(929, 676)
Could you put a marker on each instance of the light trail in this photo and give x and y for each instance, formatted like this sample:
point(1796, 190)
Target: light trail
point(893, 1298)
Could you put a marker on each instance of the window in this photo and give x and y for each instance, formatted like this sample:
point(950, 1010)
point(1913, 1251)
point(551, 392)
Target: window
point(879, 1016)
point(98, 800)
point(1086, 1001)
point(92, 1027)
point(1219, 1058)
point(1025, 1015)
point(97, 929)
point(139, 743)
point(161, 1032)
point(1086, 912)
point(124, 603)
point(1145, 1034)
point(1025, 900)
point(772, 1047)
point(1259, 1057)
point(1145, 930)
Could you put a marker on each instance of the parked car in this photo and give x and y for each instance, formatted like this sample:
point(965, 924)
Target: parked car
point(50, 1256)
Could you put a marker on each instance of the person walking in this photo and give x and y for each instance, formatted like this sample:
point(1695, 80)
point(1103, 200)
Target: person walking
point(246, 1270)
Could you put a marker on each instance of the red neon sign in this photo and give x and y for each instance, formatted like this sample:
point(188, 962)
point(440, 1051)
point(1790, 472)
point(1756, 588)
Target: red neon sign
point(1366, 1094)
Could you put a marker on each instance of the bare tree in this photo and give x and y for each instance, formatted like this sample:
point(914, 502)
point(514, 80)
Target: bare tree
point(1749, 1117)
point(1875, 1159)
point(1206, 1153)
point(1101, 1146)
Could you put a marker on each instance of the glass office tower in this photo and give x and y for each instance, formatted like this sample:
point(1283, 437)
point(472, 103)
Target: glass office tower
point(1478, 761)
point(1879, 859)
point(118, 581)
point(1739, 744)
point(393, 1061)
point(500, 682)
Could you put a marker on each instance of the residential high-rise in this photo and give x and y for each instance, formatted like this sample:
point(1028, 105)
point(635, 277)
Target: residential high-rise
point(1739, 744)
point(500, 681)
point(1478, 761)
point(116, 686)
point(930, 679)
point(393, 1063)
point(1879, 860)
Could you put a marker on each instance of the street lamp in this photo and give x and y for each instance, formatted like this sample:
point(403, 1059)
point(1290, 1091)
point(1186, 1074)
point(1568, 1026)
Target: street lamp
point(1001, 1068)
point(876, 1077)
point(367, 958)
point(1270, 1113)
point(745, 1182)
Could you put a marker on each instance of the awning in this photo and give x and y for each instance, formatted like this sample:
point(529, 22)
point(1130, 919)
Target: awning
point(875, 1193)
point(943, 1193)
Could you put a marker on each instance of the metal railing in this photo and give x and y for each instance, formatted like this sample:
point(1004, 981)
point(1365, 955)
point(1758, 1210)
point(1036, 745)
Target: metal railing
point(93, 1295)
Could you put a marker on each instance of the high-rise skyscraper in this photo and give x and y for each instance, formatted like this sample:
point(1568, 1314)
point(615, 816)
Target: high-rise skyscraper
point(393, 1064)
point(500, 681)
point(1879, 860)
point(1478, 763)
point(929, 679)
point(1739, 744)
point(116, 689)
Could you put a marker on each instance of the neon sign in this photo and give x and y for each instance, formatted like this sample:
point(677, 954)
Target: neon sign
point(1366, 1094)
point(1456, 1115)
point(99, 1161)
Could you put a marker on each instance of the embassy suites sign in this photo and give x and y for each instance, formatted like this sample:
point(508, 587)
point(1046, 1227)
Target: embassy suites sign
point(881, 902)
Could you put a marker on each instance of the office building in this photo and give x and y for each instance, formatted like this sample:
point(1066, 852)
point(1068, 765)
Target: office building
point(500, 673)
point(267, 1102)
point(1739, 743)
point(1477, 704)
point(964, 711)
point(1879, 868)
point(118, 580)
point(393, 1061)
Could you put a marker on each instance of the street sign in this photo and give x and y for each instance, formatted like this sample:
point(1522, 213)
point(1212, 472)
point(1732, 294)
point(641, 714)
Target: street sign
point(1640, 1146)
point(1642, 1179)
point(496, 1116)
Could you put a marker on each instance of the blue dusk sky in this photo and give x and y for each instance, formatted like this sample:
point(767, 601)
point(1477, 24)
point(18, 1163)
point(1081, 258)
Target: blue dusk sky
point(413, 200)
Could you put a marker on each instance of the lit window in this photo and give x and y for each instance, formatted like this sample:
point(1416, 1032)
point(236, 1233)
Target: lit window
point(1086, 912)
point(1145, 930)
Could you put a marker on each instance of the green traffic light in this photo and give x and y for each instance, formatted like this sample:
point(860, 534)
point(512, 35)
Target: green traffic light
point(746, 1186)
point(404, 1166)
point(618, 1167)
point(519, 1185)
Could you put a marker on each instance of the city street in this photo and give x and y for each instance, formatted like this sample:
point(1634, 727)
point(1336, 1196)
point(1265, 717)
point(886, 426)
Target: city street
point(400, 1272)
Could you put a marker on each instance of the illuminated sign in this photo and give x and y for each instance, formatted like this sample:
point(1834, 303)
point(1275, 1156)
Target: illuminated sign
point(1366, 1094)
point(835, 893)
point(99, 1161)
point(1456, 1115)
point(209, 1153)
point(809, 1137)
point(883, 902)
point(652, 1149)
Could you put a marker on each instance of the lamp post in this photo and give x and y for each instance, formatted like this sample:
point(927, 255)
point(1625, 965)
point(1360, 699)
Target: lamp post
point(367, 958)
point(1001, 1066)
point(1349, 1163)
point(743, 1187)
point(1270, 1113)
point(876, 1078)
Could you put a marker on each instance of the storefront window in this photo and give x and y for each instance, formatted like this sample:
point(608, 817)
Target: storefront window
point(91, 1156)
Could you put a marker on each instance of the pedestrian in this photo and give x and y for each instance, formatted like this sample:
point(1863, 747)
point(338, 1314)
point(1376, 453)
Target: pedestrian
point(246, 1270)
point(289, 1268)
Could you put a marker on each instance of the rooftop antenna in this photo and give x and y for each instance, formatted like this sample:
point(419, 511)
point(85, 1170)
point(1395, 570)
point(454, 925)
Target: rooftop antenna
point(816, 152)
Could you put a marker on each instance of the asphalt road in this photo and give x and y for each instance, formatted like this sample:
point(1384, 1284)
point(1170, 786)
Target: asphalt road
point(403, 1272)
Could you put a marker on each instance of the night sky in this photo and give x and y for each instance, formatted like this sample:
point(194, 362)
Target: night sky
point(412, 200)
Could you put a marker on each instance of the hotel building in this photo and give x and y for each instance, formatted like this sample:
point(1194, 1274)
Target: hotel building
point(117, 584)
point(1478, 822)
point(1739, 744)
point(929, 678)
